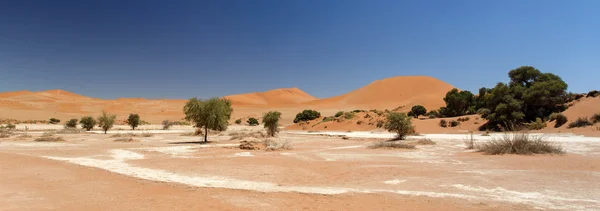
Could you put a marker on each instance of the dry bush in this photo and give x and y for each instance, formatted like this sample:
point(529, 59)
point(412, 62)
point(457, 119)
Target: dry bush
point(271, 145)
point(48, 134)
point(391, 144)
point(580, 122)
point(520, 144)
point(24, 136)
point(470, 142)
point(126, 140)
point(425, 141)
point(69, 131)
point(118, 135)
point(242, 135)
point(538, 124)
point(5, 132)
point(147, 134)
point(49, 139)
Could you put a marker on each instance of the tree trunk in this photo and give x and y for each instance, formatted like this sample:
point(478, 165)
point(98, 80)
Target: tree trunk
point(105, 131)
point(205, 134)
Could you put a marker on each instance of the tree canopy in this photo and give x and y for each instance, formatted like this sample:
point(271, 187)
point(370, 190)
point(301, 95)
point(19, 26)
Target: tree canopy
point(417, 111)
point(133, 120)
point(212, 114)
point(271, 122)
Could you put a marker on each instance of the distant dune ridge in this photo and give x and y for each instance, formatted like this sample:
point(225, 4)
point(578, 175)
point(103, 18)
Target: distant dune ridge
point(275, 97)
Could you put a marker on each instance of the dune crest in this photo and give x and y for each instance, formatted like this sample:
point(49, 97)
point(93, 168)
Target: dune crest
point(275, 97)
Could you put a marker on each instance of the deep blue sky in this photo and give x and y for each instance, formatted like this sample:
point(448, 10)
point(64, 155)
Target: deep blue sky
point(183, 49)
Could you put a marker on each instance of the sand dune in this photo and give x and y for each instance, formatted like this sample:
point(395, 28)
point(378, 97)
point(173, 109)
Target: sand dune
point(274, 98)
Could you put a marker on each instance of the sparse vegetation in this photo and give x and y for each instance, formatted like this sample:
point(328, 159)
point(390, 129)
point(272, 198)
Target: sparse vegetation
point(5, 132)
point(348, 115)
point(559, 119)
point(359, 122)
point(580, 122)
point(418, 110)
point(327, 119)
point(380, 123)
point(520, 144)
point(252, 121)
point(54, 121)
point(307, 115)
point(49, 139)
point(69, 131)
point(271, 122)
point(537, 125)
point(425, 141)
point(454, 123)
point(133, 120)
point(596, 118)
point(463, 119)
point(147, 134)
point(72, 123)
point(166, 124)
point(399, 123)
point(391, 144)
point(339, 114)
point(238, 121)
point(212, 114)
point(593, 93)
point(443, 123)
point(106, 121)
point(271, 145)
point(125, 140)
point(87, 122)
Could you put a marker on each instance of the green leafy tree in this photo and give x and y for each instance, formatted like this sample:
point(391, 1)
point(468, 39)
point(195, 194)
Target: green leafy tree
point(106, 121)
point(72, 123)
point(307, 115)
point(133, 120)
point(252, 121)
point(399, 123)
point(418, 110)
point(458, 103)
point(212, 114)
point(87, 122)
point(271, 122)
point(54, 121)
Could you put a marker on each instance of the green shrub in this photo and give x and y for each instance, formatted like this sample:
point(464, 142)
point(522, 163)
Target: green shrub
point(252, 121)
point(358, 111)
point(106, 121)
point(87, 122)
point(271, 122)
point(559, 119)
point(238, 121)
point(327, 119)
point(596, 118)
point(54, 121)
point(10, 126)
point(537, 125)
point(580, 122)
point(454, 123)
point(72, 123)
point(418, 110)
point(133, 120)
point(443, 123)
point(49, 139)
point(593, 93)
point(433, 114)
point(463, 119)
point(339, 114)
point(399, 123)
point(348, 115)
point(520, 144)
point(307, 115)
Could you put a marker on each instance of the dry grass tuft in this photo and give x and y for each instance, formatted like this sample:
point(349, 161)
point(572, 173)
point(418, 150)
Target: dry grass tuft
point(392, 144)
point(49, 139)
point(147, 134)
point(271, 145)
point(425, 141)
point(24, 136)
point(118, 135)
point(242, 135)
point(126, 140)
point(48, 134)
point(520, 144)
point(69, 131)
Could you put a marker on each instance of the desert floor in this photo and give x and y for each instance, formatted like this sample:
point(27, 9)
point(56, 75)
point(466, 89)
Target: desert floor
point(89, 171)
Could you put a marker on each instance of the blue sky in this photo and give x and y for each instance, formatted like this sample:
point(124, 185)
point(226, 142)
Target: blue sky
point(182, 49)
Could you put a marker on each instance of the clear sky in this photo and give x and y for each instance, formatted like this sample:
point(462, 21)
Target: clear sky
point(182, 49)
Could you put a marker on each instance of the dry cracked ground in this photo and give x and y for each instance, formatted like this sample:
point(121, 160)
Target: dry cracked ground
point(321, 172)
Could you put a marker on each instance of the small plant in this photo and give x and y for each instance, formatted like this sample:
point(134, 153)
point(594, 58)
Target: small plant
point(238, 121)
point(463, 119)
point(133, 120)
point(277, 145)
point(307, 115)
point(252, 121)
point(380, 123)
point(470, 142)
point(106, 121)
point(593, 93)
point(271, 122)
point(339, 114)
point(443, 123)
point(520, 144)
point(87, 122)
point(559, 119)
point(54, 121)
point(125, 140)
point(367, 116)
point(5, 132)
point(147, 134)
point(580, 122)
point(454, 123)
point(399, 123)
point(596, 118)
point(425, 141)
point(167, 124)
point(418, 110)
point(391, 144)
point(49, 139)
point(348, 115)
point(69, 131)
point(327, 119)
point(537, 125)
point(72, 123)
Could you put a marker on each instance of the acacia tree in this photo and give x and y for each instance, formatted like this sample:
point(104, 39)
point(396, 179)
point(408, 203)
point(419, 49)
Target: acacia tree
point(458, 103)
point(87, 122)
point(106, 121)
point(271, 122)
point(418, 110)
point(133, 120)
point(212, 114)
point(400, 124)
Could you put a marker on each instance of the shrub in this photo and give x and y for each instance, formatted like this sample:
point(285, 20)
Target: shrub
point(580, 122)
point(596, 118)
point(106, 121)
point(520, 144)
point(380, 123)
point(271, 122)
point(454, 123)
point(537, 125)
point(327, 119)
point(399, 123)
point(391, 144)
point(69, 131)
point(443, 123)
point(418, 110)
point(49, 139)
point(359, 122)
point(87, 122)
point(358, 111)
point(277, 145)
point(72, 123)
point(252, 121)
point(133, 120)
point(10, 126)
point(307, 115)
point(425, 141)
point(5, 132)
point(348, 115)
point(54, 121)
point(339, 113)
point(125, 140)
point(167, 124)
point(463, 119)
point(433, 114)
point(593, 93)
point(559, 119)
point(238, 121)
point(147, 134)
point(367, 116)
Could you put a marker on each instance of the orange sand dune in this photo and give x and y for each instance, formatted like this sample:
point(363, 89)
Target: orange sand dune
point(275, 98)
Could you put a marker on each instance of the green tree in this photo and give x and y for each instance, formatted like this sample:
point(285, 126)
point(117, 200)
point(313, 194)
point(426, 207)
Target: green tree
point(72, 123)
point(271, 122)
point(54, 121)
point(399, 123)
point(212, 114)
point(252, 121)
point(418, 110)
point(87, 122)
point(307, 115)
point(133, 120)
point(458, 103)
point(106, 121)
